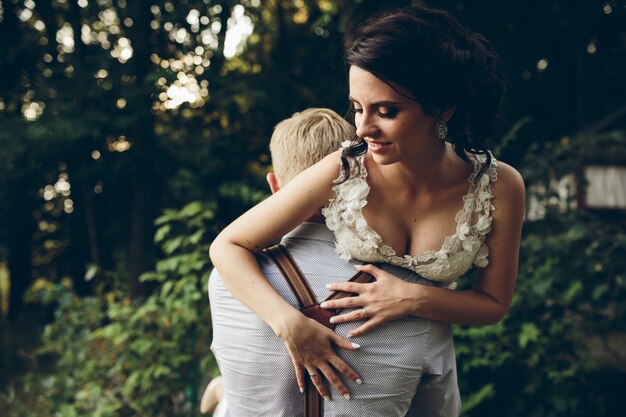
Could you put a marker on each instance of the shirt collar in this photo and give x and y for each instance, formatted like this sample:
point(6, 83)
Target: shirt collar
point(315, 231)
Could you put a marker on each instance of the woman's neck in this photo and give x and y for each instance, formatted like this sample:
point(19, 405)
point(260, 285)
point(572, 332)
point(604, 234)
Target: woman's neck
point(428, 168)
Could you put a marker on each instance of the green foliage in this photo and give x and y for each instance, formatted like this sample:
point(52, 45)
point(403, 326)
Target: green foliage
point(108, 353)
point(540, 360)
point(542, 348)
point(118, 356)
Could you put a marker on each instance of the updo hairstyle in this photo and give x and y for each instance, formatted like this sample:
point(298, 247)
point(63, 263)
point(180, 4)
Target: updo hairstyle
point(442, 64)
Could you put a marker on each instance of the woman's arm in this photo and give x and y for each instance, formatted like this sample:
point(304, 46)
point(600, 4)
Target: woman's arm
point(232, 253)
point(390, 298)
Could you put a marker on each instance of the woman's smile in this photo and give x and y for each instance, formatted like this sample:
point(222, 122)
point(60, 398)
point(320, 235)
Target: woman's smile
point(377, 146)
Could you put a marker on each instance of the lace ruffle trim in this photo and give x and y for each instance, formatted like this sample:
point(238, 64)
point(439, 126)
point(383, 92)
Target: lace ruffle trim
point(344, 216)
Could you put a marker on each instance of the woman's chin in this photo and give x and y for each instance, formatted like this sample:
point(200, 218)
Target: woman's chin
point(383, 158)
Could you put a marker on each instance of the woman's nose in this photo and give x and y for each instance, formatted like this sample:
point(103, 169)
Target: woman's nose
point(365, 126)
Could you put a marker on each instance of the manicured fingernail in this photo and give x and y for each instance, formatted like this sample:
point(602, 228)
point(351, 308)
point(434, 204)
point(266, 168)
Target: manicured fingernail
point(358, 381)
point(355, 345)
point(326, 398)
point(324, 304)
point(332, 319)
point(328, 286)
point(346, 396)
point(301, 390)
point(349, 335)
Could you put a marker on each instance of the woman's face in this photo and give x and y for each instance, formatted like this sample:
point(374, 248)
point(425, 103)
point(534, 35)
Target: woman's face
point(395, 127)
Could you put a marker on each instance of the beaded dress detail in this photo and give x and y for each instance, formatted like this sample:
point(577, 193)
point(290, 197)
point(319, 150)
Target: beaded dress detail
point(459, 252)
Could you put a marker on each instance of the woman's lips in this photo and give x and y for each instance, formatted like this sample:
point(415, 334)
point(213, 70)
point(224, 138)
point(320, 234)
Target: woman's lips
point(377, 147)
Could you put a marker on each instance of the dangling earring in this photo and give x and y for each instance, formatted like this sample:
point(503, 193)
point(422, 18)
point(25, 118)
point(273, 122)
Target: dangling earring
point(441, 129)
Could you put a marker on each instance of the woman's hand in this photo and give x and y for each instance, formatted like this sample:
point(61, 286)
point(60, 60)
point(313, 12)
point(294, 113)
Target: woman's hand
point(310, 346)
point(388, 298)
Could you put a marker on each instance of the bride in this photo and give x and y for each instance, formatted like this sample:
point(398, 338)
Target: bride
point(417, 188)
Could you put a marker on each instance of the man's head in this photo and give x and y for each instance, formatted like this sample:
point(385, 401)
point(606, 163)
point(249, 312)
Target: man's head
point(304, 139)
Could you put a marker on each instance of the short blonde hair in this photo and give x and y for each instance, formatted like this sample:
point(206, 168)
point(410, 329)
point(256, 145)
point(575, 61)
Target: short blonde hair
point(304, 139)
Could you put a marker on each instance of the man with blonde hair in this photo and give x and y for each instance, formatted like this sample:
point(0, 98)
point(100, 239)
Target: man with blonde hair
point(297, 143)
point(258, 374)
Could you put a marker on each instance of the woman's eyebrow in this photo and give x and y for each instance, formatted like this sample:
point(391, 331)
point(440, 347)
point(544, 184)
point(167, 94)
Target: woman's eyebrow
point(385, 103)
point(379, 103)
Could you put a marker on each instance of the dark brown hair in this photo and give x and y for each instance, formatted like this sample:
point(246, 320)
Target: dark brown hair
point(442, 63)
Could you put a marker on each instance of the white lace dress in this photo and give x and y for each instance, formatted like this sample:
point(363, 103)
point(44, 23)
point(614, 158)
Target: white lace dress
point(459, 252)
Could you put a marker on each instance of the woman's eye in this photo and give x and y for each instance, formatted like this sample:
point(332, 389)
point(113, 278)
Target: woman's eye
point(387, 113)
point(355, 110)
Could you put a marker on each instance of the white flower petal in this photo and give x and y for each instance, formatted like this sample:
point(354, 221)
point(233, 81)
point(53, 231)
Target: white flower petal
point(483, 225)
point(354, 189)
point(463, 231)
point(484, 195)
point(471, 245)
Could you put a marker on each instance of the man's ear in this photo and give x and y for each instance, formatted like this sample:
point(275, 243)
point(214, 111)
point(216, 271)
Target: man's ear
point(272, 180)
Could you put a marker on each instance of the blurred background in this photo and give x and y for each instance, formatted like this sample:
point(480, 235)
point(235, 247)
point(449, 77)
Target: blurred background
point(131, 132)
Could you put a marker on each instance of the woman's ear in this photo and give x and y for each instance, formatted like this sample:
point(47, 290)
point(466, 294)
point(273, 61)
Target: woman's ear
point(272, 180)
point(447, 113)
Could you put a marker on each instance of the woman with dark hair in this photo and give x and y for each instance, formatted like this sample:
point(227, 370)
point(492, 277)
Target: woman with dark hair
point(417, 189)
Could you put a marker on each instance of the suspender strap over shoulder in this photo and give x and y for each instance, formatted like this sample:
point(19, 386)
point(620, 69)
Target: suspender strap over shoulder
point(313, 405)
point(292, 274)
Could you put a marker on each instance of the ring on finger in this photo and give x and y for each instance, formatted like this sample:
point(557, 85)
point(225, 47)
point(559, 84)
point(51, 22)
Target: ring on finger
point(365, 313)
point(312, 374)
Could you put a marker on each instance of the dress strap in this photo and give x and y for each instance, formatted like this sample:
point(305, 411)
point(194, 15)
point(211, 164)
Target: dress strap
point(354, 165)
point(483, 206)
point(484, 184)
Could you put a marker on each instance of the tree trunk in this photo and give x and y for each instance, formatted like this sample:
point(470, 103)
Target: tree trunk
point(143, 150)
point(20, 229)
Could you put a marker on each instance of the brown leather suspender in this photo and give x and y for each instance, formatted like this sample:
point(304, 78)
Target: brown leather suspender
point(309, 306)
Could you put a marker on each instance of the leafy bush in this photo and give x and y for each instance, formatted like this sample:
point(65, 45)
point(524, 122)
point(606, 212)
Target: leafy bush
point(552, 354)
point(117, 356)
point(539, 361)
point(550, 357)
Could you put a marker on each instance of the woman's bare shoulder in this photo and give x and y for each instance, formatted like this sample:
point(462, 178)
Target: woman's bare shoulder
point(332, 160)
point(508, 189)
